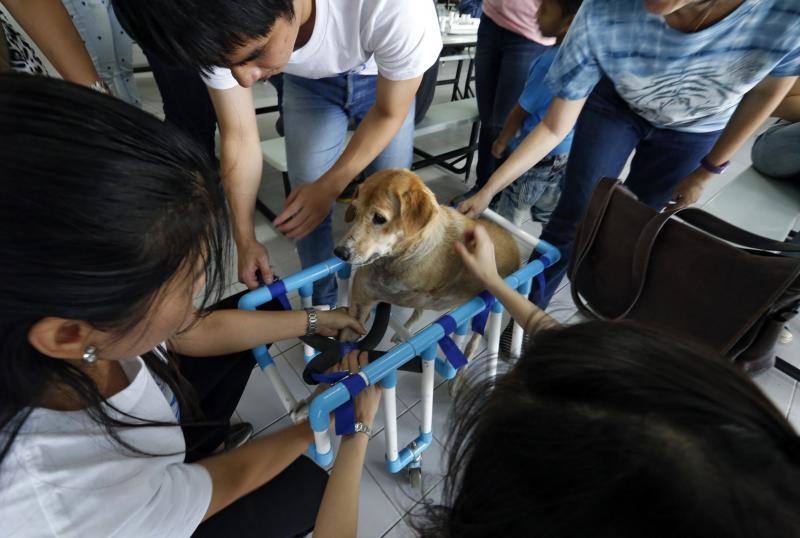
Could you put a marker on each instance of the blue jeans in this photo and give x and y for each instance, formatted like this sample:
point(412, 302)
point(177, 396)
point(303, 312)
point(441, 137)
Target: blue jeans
point(536, 191)
point(502, 61)
point(605, 135)
point(776, 153)
point(316, 117)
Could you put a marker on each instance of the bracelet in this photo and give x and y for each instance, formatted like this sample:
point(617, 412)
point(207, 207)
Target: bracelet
point(100, 86)
point(361, 427)
point(312, 321)
point(713, 169)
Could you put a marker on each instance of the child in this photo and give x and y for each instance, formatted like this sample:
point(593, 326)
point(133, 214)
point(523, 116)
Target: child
point(539, 187)
point(111, 222)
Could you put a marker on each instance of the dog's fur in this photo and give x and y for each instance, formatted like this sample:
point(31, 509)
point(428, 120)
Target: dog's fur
point(410, 260)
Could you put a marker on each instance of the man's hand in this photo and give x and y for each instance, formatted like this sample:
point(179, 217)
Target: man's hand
point(305, 208)
point(498, 148)
point(689, 189)
point(474, 206)
point(253, 257)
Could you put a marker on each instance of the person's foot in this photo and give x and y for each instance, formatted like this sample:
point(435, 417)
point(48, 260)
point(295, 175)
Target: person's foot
point(461, 197)
point(505, 341)
point(238, 435)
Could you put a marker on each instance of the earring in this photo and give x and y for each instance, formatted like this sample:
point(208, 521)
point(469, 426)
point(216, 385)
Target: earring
point(89, 355)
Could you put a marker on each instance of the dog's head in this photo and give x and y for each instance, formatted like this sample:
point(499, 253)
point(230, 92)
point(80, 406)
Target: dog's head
point(388, 214)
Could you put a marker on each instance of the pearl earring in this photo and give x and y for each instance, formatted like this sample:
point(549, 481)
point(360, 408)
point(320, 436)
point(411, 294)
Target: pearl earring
point(89, 355)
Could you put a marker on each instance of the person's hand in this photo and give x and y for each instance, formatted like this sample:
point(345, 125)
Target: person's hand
point(477, 253)
point(254, 259)
point(499, 148)
point(366, 405)
point(330, 322)
point(305, 208)
point(477, 204)
point(689, 190)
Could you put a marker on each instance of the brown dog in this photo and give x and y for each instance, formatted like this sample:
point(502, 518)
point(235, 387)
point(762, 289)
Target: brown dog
point(401, 241)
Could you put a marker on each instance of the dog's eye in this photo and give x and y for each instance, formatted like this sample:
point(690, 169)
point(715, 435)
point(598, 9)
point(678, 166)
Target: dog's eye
point(378, 219)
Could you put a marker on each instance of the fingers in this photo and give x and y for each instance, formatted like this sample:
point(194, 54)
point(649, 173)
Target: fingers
point(480, 234)
point(356, 325)
point(463, 207)
point(305, 227)
point(293, 224)
point(291, 207)
point(247, 276)
point(266, 270)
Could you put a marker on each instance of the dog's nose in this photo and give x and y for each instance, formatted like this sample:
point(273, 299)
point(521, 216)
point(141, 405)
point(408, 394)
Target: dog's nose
point(342, 253)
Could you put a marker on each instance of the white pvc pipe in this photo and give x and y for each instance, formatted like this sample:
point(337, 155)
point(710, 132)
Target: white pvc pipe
point(507, 225)
point(399, 329)
point(516, 341)
point(307, 302)
point(343, 298)
point(495, 324)
point(390, 418)
point(427, 396)
point(280, 387)
point(322, 440)
point(460, 340)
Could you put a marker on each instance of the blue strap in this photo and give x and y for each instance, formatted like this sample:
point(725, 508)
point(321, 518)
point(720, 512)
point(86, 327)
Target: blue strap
point(451, 352)
point(345, 413)
point(347, 347)
point(479, 321)
point(278, 291)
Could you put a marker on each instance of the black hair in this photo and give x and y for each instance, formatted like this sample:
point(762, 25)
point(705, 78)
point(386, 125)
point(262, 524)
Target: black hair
point(615, 430)
point(199, 34)
point(101, 205)
point(569, 7)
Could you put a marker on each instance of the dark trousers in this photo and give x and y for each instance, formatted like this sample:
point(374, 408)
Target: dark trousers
point(287, 505)
point(502, 61)
point(187, 104)
point(605, 135)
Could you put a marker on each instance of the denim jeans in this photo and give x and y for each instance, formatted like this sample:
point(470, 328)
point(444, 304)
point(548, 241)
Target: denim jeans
point(605, 135)
point(536, 191)
point(502, 61)
point(316, 117)
point(776, 153)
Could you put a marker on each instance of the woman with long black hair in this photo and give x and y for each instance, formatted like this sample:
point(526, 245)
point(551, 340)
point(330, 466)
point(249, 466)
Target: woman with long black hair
point(111, 222)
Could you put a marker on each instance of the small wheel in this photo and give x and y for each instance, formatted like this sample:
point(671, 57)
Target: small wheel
point(415, 477)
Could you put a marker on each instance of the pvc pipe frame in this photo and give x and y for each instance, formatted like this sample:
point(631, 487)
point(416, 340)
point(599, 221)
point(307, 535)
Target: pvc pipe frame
point(384, 369)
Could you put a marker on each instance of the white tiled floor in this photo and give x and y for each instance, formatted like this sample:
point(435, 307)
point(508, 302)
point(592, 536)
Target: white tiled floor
point(386, 499)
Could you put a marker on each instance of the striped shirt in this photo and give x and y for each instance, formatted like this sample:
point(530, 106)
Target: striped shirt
point(688, 82)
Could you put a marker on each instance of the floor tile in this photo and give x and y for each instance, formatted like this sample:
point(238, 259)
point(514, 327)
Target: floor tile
point(442, 404)
point(400, 530)
point(376, 513)
point(397, 486)
point(794, 411)
point(260, 404)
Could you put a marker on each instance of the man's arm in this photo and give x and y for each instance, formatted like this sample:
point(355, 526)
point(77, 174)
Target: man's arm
point(241, 176)
point(49, 25)
point(308, 205)
point(754, 108)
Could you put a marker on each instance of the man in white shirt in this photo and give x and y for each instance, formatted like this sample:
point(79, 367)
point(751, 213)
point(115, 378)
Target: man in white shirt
point(346, 62)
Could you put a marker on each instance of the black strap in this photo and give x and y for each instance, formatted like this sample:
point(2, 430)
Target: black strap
point(728, 232)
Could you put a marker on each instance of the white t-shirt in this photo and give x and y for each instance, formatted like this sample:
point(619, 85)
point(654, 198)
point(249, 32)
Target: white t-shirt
point(400, 39)
point(65, 477)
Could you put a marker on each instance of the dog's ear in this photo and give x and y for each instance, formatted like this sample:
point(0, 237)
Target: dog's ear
point(416, 208)
point(350, 214)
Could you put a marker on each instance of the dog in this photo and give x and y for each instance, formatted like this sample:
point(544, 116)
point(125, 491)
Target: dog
point(402, 243)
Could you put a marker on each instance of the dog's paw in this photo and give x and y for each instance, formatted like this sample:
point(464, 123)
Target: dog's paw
point(348, 335)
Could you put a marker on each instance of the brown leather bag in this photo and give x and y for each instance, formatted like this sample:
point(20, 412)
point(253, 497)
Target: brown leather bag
point(632, 262)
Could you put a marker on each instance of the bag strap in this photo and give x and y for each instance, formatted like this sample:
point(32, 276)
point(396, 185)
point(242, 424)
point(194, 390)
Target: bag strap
point(598, 206)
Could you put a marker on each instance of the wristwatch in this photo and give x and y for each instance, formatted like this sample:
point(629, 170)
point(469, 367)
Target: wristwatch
point(714, 169)
point(360, 427)
point(312, 321)
point(100, 86)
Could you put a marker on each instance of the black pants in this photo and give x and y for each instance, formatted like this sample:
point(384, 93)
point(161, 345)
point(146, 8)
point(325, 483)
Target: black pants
point(287, 505)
